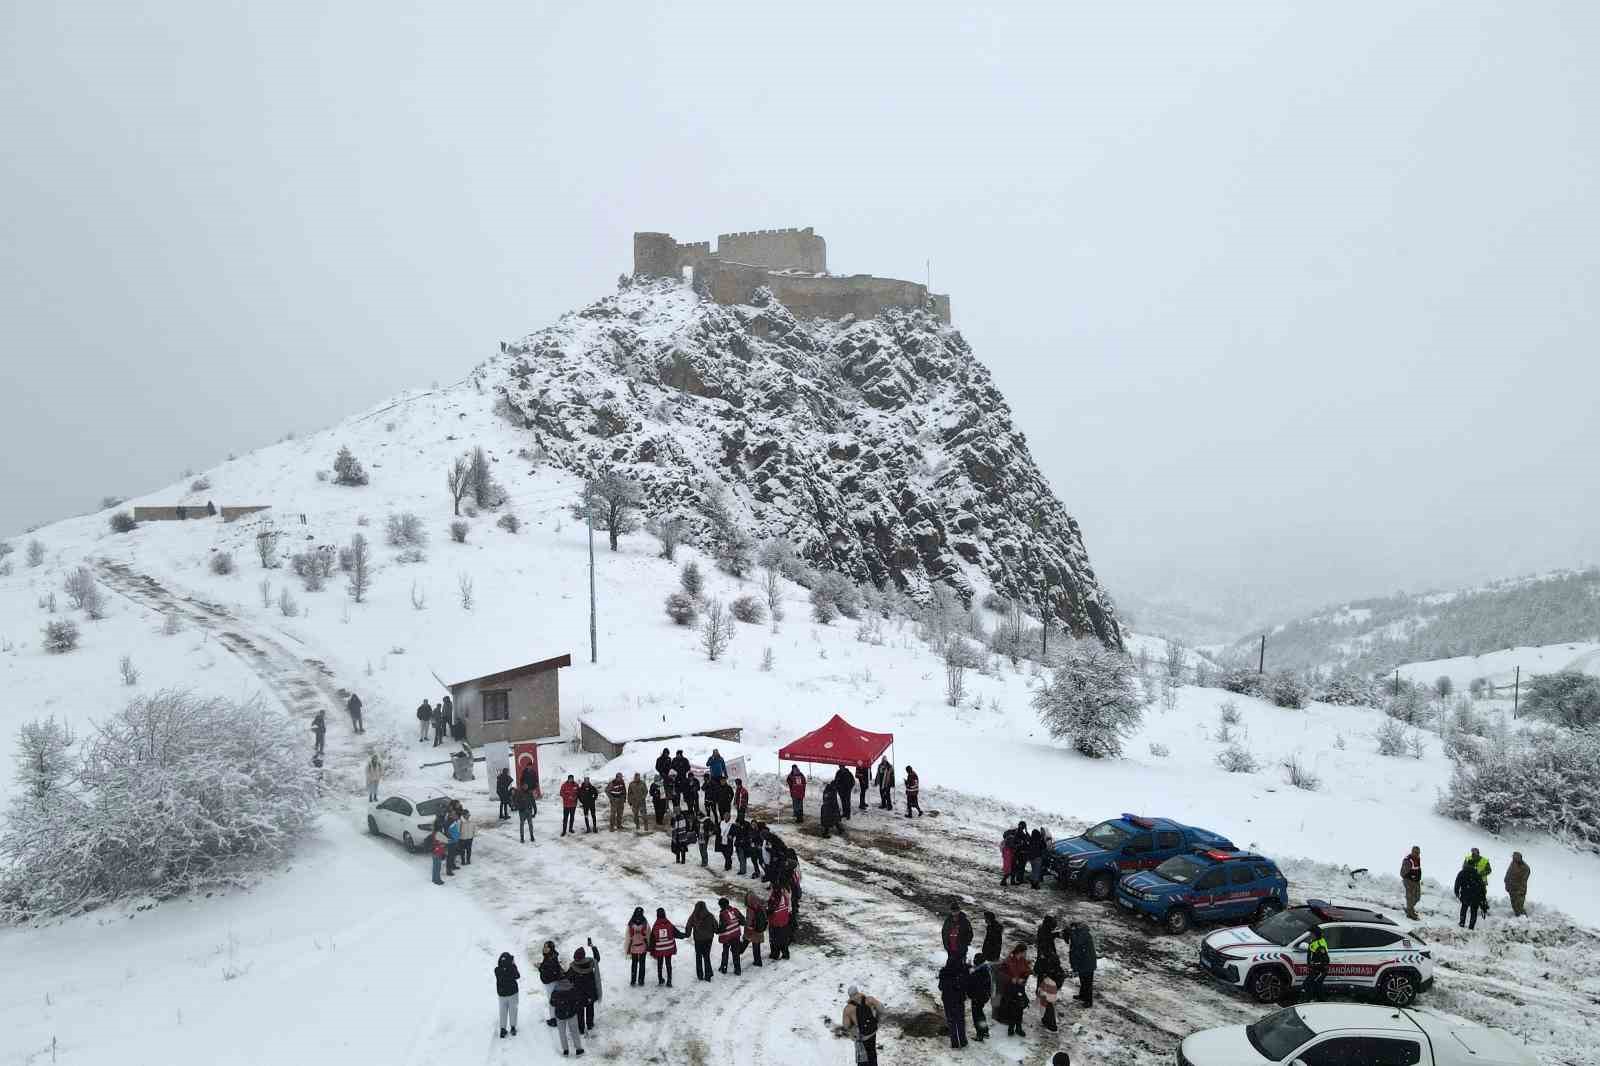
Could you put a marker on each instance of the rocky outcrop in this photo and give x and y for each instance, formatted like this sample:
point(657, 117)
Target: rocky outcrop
point(880, 448)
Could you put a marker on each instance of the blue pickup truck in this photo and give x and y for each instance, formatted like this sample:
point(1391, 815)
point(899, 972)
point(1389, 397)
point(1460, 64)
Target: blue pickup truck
point(1094, 861)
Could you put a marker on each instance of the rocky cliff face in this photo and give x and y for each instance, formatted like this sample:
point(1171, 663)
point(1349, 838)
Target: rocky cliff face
point(878, 448)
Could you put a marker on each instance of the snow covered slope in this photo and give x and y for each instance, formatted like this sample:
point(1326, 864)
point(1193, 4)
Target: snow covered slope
point(1499, 668)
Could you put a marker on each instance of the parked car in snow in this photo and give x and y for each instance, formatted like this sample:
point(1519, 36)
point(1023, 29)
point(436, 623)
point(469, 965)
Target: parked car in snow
point(1366, 952)
point(1353, 1034)
point(1205, 886)
point(407, 820)
point(1094, 861)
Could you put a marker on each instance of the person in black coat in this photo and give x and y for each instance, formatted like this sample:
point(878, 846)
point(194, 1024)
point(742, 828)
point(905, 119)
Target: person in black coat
point(980, 985)
point(550, 971)
point(663, 763)
point(691, 790)
point(680, 765)
point(830, 817)
point(1083, 959)
point(1470, 890)
point(505, 986)
point(863, 780)
point(955, 935)
point(502, 788)
point(584, 973)
point(658, 800)
point(953, 994)
point(522, 800)
point(844, 783)
point(708, 833)
point(992, 931)
point(588, 796)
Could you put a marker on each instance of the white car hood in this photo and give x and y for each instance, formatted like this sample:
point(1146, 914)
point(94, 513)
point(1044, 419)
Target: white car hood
point(1221, 1047)
point(1240, 936)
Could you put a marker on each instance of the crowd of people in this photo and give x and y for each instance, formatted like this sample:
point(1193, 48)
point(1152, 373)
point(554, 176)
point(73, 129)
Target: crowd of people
point(1471, 886)
point(441, 721)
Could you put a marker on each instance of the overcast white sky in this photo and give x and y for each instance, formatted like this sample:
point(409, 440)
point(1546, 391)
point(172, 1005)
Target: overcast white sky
point(1294, 301)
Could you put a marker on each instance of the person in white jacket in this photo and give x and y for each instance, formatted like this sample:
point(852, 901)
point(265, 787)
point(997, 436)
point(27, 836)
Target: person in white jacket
point(466, 838)
point(374, 774)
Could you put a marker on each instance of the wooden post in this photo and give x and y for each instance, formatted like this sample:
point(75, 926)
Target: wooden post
point(1516, 692)
point(1261, 665)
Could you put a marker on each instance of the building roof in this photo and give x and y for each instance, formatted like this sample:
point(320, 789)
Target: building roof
point(620, 725)
point(512, 672)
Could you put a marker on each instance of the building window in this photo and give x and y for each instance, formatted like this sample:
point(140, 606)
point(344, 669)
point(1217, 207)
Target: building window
point(496, 707)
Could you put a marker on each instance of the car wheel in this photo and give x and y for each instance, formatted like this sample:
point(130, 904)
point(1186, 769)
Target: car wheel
point(1268, 908)
point(1398, 988)
point(372, 826)
point(1176, 921)
point(405, 838)
point(1268, 984)
point(1100, 887)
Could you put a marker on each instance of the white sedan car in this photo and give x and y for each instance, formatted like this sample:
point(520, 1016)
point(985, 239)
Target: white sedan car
point(1341, 1034)
point(408, 821)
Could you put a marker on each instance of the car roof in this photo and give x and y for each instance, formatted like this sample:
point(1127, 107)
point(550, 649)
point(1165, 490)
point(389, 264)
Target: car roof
point(1324, 1017)
point(1214, 856)
point(1328, 913)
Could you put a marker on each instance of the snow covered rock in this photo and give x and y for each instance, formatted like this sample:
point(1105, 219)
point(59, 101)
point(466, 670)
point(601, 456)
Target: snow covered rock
point(879, 448)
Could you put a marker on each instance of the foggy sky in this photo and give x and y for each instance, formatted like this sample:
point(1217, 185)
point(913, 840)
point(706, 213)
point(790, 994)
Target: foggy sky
point(1295, 302)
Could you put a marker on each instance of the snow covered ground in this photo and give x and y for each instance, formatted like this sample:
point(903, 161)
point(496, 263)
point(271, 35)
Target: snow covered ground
point(1499, 667)
point(352, 952)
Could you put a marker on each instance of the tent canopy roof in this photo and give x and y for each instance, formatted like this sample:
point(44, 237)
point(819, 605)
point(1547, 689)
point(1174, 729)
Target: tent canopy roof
point(837, 741)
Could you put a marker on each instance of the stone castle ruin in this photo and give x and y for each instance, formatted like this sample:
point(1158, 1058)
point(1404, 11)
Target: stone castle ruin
point(791, 263)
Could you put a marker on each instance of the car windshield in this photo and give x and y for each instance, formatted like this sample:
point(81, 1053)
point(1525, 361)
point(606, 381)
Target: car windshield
point(1278, 1034)
point(431, 807)
point(1182, 869)
point(1285, 926)
point(1107, 835)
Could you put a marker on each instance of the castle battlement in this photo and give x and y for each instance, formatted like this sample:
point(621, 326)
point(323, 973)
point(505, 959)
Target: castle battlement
point(791, 262)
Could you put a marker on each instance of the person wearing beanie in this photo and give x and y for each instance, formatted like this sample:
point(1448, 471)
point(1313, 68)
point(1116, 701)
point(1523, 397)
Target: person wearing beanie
point(505, 986)
point(861, 1013)
point(730, 932)
point(635, 945)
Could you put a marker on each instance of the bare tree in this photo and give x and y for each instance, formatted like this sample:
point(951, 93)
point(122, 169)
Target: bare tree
point(79, 587)
point(265, 588)
point(772, 587)
point(130, 672)
point(464, 587)
point(959, 657)
point(267, 548)
point(614, 502)
point(669, 531)
point(360, 581)
point(458, 479)
point(716, 630)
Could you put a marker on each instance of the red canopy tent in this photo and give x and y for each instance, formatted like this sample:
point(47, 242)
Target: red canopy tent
point(837, 741)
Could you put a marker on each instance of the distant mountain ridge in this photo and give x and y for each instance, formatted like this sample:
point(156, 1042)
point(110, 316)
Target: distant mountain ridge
point(880, 447)
point(1380, 633)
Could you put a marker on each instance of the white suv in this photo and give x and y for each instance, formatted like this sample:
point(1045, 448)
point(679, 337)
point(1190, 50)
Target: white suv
point(1349, 1034)
point(1366, 951)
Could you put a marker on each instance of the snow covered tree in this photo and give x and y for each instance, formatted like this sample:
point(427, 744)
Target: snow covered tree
point(681, 608)
point(748, 609)
point(43, 756)
point(267, 548)
point(405, 530)
point(458, 479)
point(838, 590)
point(691, 579)
point(347, 469)
point(959, 657)
point(1172, 664)
point(1286, 690)
point(122, 522)
point(669, 532)
point(171, 794)
point(716, 630)
point(79, 585)
point(1548, 784)
point(1345, 689)
point(486, 491)
point(614, 501)
point(1443, 687)
point(1568, 698)
point(360, 570)
point(1093, 701)
point(35, 553)
point(1243, 680)
point(732, 548)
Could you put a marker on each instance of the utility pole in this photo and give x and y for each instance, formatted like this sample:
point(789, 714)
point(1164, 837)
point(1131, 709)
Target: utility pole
point(1516, 692)
point(1261, 664)
point(588, 509)
point(1397, 681)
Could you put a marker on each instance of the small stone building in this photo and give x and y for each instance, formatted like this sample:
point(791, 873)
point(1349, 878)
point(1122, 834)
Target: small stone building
point(607, 734)
point(522, 703)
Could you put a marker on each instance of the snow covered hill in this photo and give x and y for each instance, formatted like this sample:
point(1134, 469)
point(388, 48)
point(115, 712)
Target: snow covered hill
point(350, 952)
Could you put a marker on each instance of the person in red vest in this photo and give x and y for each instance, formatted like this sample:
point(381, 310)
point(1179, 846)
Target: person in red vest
point(797, 792)
point(730, 934)
point(741, 797)
point(664, 937)
point(569, 804)
point(778, 923)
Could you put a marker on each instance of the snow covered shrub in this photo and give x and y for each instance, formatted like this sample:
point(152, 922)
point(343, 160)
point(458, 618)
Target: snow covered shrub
point(222, 564)
point(614, 502)
point(729, 544)
point(405, 558)
point(681, 608)
point(766, 661)
point(122, 522)
point(347, 469)
point(171, 794)
point(959, 657)
point(286, 605)
point(130, 672)
point(6, 548)
point(691, 579)
point(1204, 674)
point(1549, 783)
point(748, 609)
point(1348, 690)
point(1172, 664)
point(993, 601)
point(1224, 733)
point(171, 624)
point(267, 548)
point(1394, 739)
point(405, 530)
point(312, 580)
point(668, 532)
point(1300, 775)
point(200, 484)
point(1410, 705)
point(1093, 699)
point(1160, 751)
point(838, 590)
point(1243, 680)
point(1338, 741)
point(1228, 712)
point(359, 581)
point(464, 590)
point(1568, 698)
point(1476, 687)
point(716, 630)
point(509, 522)
point(458, 530)
point(35, 553)
point(870, 630)
point(1443, 687)
point(5, 567)
point(1236, 759)
point(60, 636)
point(823, 611)
point(1286, 690)
point(84, 593)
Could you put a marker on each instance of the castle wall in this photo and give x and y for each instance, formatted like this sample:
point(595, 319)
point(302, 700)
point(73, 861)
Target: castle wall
point(780, 249)
point(861, 295)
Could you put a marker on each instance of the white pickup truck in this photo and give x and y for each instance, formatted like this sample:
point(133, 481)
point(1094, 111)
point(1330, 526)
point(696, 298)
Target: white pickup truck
point(1353, 1034)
